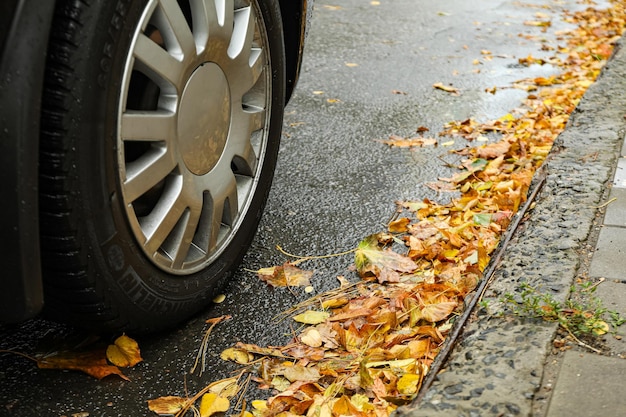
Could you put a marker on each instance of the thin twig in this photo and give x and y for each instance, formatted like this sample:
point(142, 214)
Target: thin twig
point(19, 354)
point(301, 259)
point(580, 342)
point(588, 289)
point(605, 204)
point(201, 356)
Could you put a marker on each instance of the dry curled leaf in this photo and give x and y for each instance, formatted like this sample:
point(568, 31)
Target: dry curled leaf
point(286, 275)
point(447, 88)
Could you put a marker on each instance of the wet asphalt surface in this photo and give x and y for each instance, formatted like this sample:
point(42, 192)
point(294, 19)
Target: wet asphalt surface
point(368, 73)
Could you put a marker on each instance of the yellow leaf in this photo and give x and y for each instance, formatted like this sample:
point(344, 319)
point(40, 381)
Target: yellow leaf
point(260, 405)
point(538, 23)
point(312, 317)
point(407, 365)
point(226, 387)
point(212, 403)
point(124, 352)
point(334, 303)
point(167, 406)
point(599, 327)
point(361, 402)
point(408, 384)
point(237, 355)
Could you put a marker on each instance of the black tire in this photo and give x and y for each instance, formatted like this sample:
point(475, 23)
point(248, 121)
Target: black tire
point(99, 270)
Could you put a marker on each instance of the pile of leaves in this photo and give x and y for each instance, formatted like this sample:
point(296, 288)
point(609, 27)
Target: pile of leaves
point(364, 348)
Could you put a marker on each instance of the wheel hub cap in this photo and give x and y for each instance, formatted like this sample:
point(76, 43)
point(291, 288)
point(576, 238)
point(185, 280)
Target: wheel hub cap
point(204, 117)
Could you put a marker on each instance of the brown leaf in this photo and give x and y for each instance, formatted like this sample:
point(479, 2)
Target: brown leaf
point(493, 150)
point(351, 314)
point(92, 363)
point(370, 258)
point(438, 310)
point(301, 373)
point(286, 275)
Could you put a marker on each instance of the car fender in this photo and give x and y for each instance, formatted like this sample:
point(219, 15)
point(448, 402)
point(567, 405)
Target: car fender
point(24, 36)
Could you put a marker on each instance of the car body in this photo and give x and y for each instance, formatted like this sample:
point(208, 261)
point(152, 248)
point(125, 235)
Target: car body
point(27, 66)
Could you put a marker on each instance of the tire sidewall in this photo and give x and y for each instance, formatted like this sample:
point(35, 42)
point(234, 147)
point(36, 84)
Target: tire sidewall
point(120, 271)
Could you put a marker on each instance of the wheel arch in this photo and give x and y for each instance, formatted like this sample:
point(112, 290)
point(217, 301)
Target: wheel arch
point(23, 43)
point(294, 17)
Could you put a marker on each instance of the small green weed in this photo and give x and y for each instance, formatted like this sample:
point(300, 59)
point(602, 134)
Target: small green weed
point(582, 314)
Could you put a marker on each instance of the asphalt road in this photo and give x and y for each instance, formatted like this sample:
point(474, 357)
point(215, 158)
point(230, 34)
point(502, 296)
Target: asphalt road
point(368, 73)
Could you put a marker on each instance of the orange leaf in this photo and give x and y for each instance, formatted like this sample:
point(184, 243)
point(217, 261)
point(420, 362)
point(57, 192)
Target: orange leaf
point(399, 226)
point(400, 142)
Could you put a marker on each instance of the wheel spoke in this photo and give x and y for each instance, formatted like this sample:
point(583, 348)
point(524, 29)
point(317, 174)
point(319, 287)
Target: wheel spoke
point(147, 171)
point(239, 143)
point(158, 226)
point(148, 126)
point(249, 61)
point(257, 63)
point(175, 30)
point(189, 228)
point(243, 33)
point(225, 205)
point(208, 18)
point(157, 64)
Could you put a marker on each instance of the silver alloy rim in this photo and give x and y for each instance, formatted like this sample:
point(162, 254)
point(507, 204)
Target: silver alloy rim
point(192, 127)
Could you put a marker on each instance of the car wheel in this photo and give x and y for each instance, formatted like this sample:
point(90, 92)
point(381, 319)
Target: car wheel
point(161, 123)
